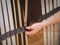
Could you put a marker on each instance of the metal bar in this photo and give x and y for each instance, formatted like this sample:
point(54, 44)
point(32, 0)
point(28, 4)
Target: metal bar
point(48, 28)
point(3, 13)
point(58, 3)
point(19, 30)
point(52, 26)
point(44, 29)
point(56, 36)
point(6, 20)
point(10, 20)
point(25, 19)
point(58, 32)
point(20, 20)
point(0, 33)
point(16, 7)
point(56, 27)
point(15, 19)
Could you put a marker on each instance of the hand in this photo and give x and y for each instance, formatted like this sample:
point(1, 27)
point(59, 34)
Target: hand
point(33, 29)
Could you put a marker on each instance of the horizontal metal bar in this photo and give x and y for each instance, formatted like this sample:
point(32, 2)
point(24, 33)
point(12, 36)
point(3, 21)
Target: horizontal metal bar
point(18, 30)
point(47, 15)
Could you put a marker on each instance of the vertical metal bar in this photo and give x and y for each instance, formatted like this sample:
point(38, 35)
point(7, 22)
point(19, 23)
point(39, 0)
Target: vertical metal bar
point(52, 26)
point(58, 32)
point(25, 19)
point(0, 33)
point(45, 5)
point(6, 21)
point(42, 5)
point(43, 12)
point(48, 28)
point(4, 42)
point(10, 20)
point(58, 36)
point(48, 35)
point(20, 20)
point(26, 10)
point(52, 41)
point(58, 3)
point(15, 19)
point(56, 26)
point(3, 28)
point(54, 3)
point(16, 7)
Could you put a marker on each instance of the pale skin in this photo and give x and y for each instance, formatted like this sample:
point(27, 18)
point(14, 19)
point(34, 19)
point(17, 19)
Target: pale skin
point(36, 27)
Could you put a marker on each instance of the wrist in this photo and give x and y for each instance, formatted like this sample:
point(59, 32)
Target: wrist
point(44, 23)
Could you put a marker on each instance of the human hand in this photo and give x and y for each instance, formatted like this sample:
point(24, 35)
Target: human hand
point(33, 29)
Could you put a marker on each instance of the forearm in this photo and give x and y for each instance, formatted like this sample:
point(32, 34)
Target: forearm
point(52, 20)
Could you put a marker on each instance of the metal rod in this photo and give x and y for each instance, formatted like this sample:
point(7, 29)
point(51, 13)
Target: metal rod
point(20, 20)
point(15, 20)
point(44, 29)
point(8, 22)
point(3, 42)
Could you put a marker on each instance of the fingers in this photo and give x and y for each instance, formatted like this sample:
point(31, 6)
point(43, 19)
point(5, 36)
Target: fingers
point(30, 33)
point(30, 30)
point(29, 27)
